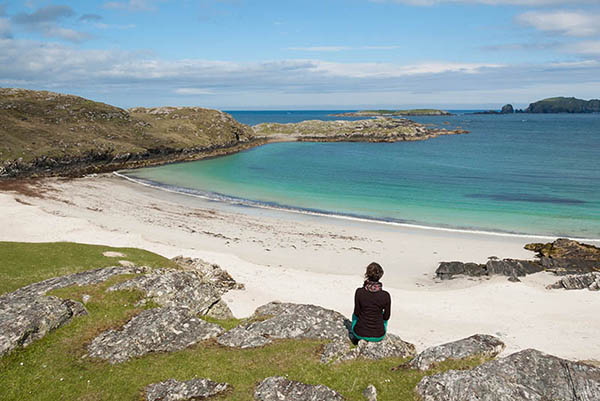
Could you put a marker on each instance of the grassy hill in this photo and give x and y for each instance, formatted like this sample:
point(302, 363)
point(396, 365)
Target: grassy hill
point(564, 105)
point(50, 133)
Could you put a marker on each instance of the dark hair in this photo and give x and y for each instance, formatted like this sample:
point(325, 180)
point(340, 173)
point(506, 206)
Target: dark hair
point(374, 272)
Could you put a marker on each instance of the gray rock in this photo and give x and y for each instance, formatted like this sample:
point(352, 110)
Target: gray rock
point(370, 393)
point(241, 338)
point(88, 277)
point(155, 330)
point(24, 319)
point(175, 288)
point(279, 388)
point(288, 321)
point(591, 281)
point(391, 346)
point(173, 390)
point(477, 345)
point(447, 270)
point(210, 273)
point(528, 375)
point(512, 267)
point(27, 314)
point(220, 310)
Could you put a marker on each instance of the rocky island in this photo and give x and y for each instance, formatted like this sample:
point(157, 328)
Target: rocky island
point(393, 113)
point(380, 129)
point(564, 105)
point(45, 133)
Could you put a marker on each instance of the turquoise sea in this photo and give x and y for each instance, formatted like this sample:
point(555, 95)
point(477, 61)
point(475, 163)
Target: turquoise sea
point(520, 173)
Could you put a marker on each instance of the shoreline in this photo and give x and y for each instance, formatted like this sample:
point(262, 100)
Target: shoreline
point(303, 211)
point(319, 260)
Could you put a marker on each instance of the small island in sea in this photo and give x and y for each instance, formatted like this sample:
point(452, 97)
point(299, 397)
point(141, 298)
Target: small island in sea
point(552, 105)
point(393, 113)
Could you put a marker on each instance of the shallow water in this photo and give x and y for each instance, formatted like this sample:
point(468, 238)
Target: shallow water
point(521, 173)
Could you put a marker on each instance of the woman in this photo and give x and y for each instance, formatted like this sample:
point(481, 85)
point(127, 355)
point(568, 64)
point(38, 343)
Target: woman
point(372, 307)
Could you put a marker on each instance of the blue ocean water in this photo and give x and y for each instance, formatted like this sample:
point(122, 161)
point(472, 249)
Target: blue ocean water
point(520, 173)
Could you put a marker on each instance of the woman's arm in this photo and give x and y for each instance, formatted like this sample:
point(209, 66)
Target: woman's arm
point(387, 310)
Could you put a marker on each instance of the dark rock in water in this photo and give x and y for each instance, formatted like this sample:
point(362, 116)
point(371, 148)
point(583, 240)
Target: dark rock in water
point(288, 321)
point(279, 388)
point(447, 270)
point(177, 288)
point(528, 375)
point(507, 109)
point(482, 345)
point(391, 346)
point(173, 390)
point(512, 267)
point(591, 281)
point(27, 314)
point(155, 330)
point(24, 319)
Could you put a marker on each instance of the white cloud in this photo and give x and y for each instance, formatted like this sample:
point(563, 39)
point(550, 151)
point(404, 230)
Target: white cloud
point(193, 91)
point(340, 48)
point(590, 48)
point(45, 21)
point(388, 70)
point(490, 2)
point(572, 23)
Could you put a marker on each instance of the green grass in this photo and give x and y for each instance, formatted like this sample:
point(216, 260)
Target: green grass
point(25, 263)
point(54, 368)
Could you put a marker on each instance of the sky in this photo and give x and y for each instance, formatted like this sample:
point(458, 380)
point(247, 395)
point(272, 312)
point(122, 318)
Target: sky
point(305, 54)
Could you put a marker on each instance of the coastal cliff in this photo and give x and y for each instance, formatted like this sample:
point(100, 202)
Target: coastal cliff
point(564, 105)
point(46, 133)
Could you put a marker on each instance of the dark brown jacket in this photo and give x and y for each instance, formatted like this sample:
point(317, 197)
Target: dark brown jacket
point(371, 309)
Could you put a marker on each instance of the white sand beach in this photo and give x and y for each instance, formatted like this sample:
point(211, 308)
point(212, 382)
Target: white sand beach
point(302, 258)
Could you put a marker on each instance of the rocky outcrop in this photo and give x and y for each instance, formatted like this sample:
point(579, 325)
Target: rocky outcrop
point(504, 267)
point(27, 314)
point(528, 375)
point(370, 393)
point(24, 319)
point(565, 256)
point(279, 388)
point(155, 330)
point(591, 281)
point(391, 346)
point(507, 109)
point(195, 389)
point(176, 288)
point(478, 345)
point(287, 321)
point(380, 129)
point(561, 257)
point(210, 273)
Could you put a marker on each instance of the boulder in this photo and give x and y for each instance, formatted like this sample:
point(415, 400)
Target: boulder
point(528, 375)
point(154, 330)
point(447, 270)
point(279, 388)
point(288, 321)
point(173, 390)
point(210, 273)
point(24, 319)
point(182, 289)
point(477, 345)
point(391, 346)
point(512, 267)
point(239, 337)
point(591, 281)
point(507, 109)
point(565, 256)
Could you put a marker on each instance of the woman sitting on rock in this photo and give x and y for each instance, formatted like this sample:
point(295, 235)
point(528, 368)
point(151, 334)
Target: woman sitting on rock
point(372, 307)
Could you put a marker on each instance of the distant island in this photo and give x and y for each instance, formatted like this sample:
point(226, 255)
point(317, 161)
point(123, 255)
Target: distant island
point(552, 105)
point(393, 113)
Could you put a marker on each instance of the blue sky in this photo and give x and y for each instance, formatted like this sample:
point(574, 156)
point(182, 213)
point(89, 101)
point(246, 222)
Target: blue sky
point(327, 54)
